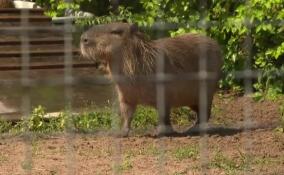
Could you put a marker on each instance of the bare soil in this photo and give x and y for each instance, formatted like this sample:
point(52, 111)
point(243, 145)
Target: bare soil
point(259, 150)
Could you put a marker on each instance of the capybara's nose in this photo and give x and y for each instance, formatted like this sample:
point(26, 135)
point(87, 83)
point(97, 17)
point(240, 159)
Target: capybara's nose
point(84, 39)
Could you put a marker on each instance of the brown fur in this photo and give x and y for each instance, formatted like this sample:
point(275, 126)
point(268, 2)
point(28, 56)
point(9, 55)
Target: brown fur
point(6, 4)
point(121, 49)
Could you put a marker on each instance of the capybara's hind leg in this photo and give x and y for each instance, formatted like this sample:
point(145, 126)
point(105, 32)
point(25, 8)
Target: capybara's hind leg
point(164, 125)
point(127, 112)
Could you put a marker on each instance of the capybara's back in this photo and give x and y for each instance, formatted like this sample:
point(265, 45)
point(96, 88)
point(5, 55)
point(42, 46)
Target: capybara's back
point(192, 60)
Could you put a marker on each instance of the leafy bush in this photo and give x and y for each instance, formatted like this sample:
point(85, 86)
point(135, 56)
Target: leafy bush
point(56, 8)
point(270, 83)
point(250, 32)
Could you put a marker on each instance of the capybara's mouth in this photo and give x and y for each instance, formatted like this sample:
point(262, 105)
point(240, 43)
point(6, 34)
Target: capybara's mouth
point(91, 56)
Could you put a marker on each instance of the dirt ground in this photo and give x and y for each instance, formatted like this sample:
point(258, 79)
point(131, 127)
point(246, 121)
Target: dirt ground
point(257, 151)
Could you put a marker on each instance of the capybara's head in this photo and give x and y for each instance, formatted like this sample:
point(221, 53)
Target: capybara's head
point(102, 43)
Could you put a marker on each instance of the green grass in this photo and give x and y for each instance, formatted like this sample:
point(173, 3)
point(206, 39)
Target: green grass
point(152, 150)
point(144, 118)
point(230, 166)
point(125, 165)
point(187, 152)
point(270, 161)
point(5, 126)
point(100, 119)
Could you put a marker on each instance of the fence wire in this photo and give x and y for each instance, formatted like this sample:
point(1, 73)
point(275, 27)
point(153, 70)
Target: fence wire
point(160, 78)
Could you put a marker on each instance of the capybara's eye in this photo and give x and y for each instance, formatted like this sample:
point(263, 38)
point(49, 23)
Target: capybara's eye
point(117, 32)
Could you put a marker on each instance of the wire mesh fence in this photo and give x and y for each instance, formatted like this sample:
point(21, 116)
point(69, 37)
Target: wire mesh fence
point(159, 79)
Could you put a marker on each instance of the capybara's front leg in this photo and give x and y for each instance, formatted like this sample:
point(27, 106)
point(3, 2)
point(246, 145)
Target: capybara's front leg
point(126, 112)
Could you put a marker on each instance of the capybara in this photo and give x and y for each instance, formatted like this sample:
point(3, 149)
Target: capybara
point(6, 4)
point(172, 68)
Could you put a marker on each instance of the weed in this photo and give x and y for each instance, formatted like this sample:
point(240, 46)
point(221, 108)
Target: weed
point(3, 158)
point(230, 166)
point(126, 164)
point(35, 148)
point(216, 110)
point(186, 153)
point(153, 150)
point(268, 161)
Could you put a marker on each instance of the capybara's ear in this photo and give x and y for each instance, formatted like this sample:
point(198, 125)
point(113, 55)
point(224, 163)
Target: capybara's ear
point(133, 28)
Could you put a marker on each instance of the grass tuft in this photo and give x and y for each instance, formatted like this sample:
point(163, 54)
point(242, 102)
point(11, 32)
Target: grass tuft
point(186, 153)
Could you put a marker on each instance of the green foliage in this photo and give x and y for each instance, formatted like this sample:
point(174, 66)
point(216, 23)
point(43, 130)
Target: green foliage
point(99, 120)
point(39, 121)
point(56, 8)
point(5, 126)
point(235, 24)
point(270, 83)
point(144, 118)
point(124, 13)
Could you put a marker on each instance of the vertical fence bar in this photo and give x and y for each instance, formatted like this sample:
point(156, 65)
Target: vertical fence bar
point(203, 90)
point(116, 142)
point(68, 91)
point(25, 83)
point(247, 107)
point(161, 107)
point(117, 158)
